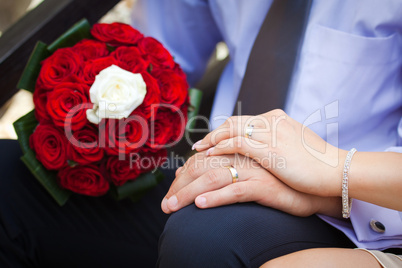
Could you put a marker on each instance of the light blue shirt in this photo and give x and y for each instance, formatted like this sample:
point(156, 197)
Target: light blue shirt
point(346, 86)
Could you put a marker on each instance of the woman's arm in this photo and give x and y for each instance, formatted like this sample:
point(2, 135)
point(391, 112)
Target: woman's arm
point(376, 177)
point(310, 165)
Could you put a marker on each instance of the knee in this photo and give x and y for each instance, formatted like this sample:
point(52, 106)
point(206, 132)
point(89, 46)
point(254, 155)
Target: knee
point(193, 239)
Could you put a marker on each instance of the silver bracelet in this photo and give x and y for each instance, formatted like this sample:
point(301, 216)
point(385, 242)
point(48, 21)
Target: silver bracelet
point(346, 201)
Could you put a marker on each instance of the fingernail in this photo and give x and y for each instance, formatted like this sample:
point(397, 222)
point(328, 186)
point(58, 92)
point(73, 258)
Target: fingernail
point(195, 145)
point(172, 202)
point(164, 205)
point(209, 151)
point(201, 201)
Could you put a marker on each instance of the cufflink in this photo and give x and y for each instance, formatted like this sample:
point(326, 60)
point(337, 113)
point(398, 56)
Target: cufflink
point(377, 226)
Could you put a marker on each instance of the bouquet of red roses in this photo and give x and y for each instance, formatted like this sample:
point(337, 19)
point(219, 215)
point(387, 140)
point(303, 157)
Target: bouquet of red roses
point(108, 102)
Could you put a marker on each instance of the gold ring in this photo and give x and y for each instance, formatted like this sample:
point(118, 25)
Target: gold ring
point(233, 172)
point(249, 131)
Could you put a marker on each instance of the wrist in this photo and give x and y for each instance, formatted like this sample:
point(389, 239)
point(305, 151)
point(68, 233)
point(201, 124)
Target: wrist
point(329, 206)
point(335, 180)
point(346, 200)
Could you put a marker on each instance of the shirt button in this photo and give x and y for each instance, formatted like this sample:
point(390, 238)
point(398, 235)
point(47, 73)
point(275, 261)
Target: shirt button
point(377, 226)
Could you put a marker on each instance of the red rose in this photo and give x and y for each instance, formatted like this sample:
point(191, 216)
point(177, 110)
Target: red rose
point(62, 66)
point(167, 128)
point(116, 34)
point(84, 146)
point(93, 67)
point(50, 146)
point(85, 180)
point(178, 70)
point(67, 105)
point(120, 171)
point(40, 99)
point(152, 98)
point(150, 159)
point(131, 59)
point(91, 49)
point(156, 53)
point(124, 136)
point(174, 89)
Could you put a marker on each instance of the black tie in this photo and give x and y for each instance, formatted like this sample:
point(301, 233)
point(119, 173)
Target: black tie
point(272, 58)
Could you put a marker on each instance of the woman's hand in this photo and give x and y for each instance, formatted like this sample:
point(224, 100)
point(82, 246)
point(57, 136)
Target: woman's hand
point(208, 182)
point(283, 146)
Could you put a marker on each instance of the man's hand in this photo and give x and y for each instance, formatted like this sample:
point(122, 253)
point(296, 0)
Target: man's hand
point(208, 182)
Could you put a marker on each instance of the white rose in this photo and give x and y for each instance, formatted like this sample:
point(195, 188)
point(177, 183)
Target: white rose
point(115, 94)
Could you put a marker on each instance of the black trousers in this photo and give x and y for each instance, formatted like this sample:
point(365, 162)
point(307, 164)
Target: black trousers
point(101, 232)
point(240, 235)
point(85, 232)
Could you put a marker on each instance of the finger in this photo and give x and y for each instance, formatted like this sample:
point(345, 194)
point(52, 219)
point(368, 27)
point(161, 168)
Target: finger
point(178, 171)
point(260, 139)
point(262, 135)
point(253, 149)
point(240, 192)
point(191, 169)
point(164, 206)
point(209, 181)
point(280, 197)
point(177, 183)
point(197, 165)
point(228, 129)
point(233, 126)
point(171, 191)
point(236, 126)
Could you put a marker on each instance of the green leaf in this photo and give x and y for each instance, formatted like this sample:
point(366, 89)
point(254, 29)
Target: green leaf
point(32, 69)
point(80, 30)
point(139, 187)
point(193, 109)
point(24, 127)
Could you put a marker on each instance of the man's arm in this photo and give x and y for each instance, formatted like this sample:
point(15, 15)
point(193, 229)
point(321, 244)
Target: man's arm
point(186, 28)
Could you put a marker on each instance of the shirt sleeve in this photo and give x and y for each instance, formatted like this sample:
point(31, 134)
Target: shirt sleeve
point(185, 27)
point(359, 229)
point(398, 148)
